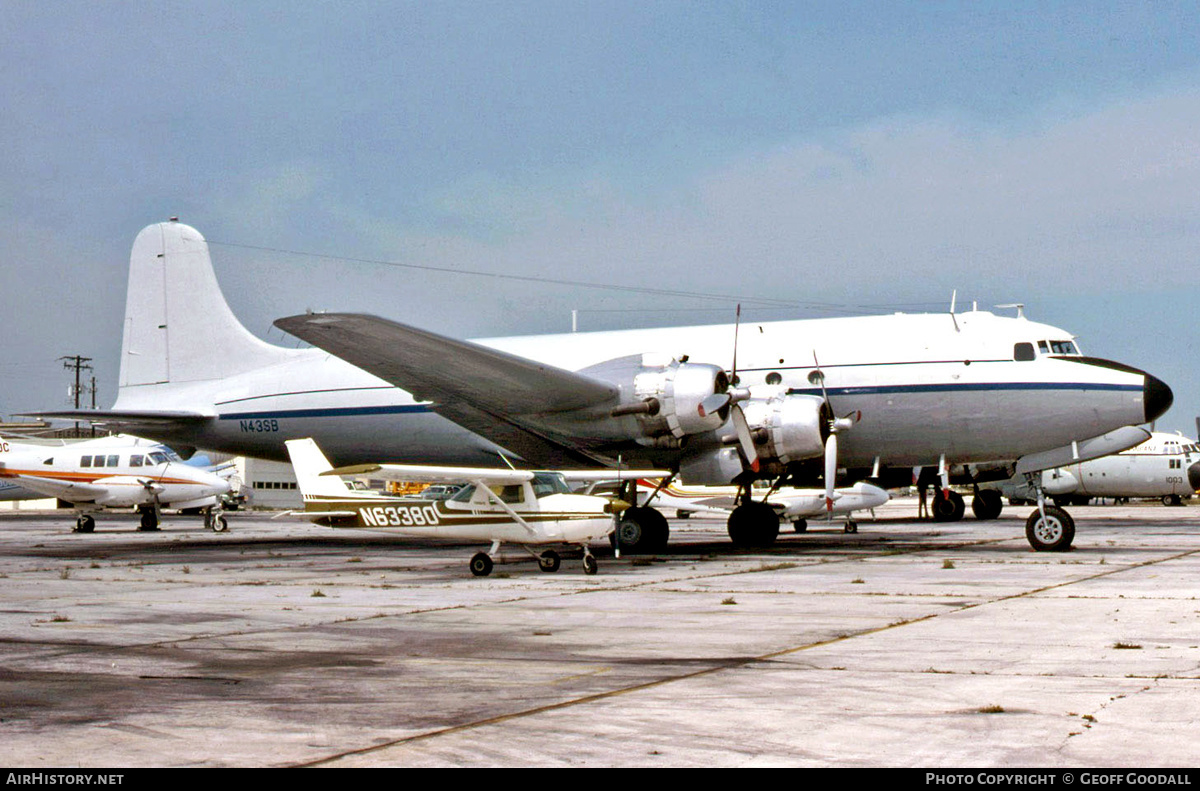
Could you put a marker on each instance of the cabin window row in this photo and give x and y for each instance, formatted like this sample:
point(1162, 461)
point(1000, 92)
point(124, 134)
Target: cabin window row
point(114, 460)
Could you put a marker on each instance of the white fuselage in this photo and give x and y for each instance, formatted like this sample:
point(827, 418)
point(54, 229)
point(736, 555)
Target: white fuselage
point(1166, 465)
point(926, 385)
point(109, 473)
point(791, 502)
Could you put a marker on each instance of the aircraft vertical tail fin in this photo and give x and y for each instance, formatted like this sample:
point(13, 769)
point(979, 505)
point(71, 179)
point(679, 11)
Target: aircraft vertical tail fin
point(309, 462)
point(178, 327)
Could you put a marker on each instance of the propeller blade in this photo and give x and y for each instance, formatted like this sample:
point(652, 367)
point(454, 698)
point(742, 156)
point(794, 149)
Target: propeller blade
point(713, 404)
point(749, 449)
point(831, 449)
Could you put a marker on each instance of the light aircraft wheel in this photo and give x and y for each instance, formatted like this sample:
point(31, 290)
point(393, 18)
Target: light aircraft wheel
point(753, 525)
point(987, 504)
point(1171, 499)
point(948, 509)
point(681, 514)
point(85, 524)
point(642, 530)
point(590, 566)
point(800, 525)
point(1053, 534)
point(481, 564)
point(219, 525)
point(549, 561)
point(851, 526)
point(149, 520)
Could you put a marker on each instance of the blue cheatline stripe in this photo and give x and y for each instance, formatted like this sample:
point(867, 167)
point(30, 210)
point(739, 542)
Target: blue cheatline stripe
point(965, 388)
point(407, 409)
point(414, 409)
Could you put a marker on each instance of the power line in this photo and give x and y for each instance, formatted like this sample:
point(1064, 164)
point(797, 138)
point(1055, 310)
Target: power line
point(762, 301)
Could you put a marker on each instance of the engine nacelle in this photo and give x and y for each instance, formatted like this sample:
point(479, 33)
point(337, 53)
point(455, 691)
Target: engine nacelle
point(126, 490)
point(1058, 482)
point(668, 398)
point(788, 428)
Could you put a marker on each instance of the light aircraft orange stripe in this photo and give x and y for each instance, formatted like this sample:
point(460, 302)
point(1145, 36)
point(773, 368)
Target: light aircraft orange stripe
point(81, 477)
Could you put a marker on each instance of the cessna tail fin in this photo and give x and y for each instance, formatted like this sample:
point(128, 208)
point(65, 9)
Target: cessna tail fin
point(178, 327)
point(309, 462)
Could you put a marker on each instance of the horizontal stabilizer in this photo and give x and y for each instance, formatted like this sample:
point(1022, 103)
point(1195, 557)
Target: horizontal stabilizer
point(124, 417)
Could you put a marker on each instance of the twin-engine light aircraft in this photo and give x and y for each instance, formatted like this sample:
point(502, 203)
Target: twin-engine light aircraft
point(791, 504)
point(115, 472)
point(1166, 466)
point(971, 394)
point(497, 505)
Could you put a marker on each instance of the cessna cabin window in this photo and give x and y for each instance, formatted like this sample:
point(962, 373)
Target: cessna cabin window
point(86, 461)
point(114, 461)
point(1023, 352)
point(135, 460)
point(545, 484)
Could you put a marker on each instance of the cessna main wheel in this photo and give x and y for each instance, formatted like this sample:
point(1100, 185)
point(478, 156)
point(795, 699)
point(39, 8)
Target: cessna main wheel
point(481, 564)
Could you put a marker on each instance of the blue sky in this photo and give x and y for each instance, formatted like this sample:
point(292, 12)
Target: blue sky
point(846, 157)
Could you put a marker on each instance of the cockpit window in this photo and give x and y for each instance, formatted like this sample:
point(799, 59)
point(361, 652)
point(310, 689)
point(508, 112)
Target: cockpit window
point(1043, 347)
point(1023, 352)
point(159, 458)
point(546, 483)
point(1062, 347)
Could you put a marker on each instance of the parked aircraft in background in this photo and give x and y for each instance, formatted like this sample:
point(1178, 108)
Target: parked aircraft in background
point(792, 504)
point(1165, 466)
point(114, 472)
point(793, 402)
point(497, 505)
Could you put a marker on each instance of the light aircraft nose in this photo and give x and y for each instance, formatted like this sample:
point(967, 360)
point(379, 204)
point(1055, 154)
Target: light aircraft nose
point(1194, 476)
point(1156, 397)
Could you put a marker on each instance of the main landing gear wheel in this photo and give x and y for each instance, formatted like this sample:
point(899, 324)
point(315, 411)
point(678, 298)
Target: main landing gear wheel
point(549, 561)
point(800, 525)
point(1052, 534)
point(753, 526)
point(948, 509)
point(851, 526)
point(481, 564)
point(590, 566)
point(987, 504)
point(149, 521)
point(642, 530)
point(85, 524)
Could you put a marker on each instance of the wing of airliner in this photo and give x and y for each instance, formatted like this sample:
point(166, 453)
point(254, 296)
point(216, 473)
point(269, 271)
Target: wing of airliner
point(506, 398)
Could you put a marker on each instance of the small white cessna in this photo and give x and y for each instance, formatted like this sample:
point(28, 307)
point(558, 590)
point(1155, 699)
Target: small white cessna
point(971, 394)
point(497, 505)
point(1165, 466)
point(792, 504)
point(115, 472)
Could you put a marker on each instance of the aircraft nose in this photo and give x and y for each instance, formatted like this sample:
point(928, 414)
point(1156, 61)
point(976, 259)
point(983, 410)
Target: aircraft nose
point(1194, 476)
point(1156, 397)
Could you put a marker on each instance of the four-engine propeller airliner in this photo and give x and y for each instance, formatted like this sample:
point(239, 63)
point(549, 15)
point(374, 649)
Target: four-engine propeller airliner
point(974, 394)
